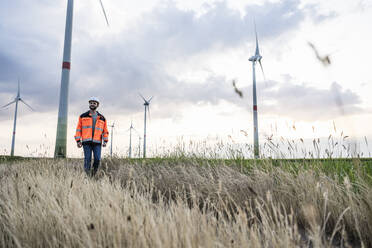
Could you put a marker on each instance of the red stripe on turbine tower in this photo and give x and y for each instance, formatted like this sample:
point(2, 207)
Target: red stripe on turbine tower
point(255, 107)
point(66, 65)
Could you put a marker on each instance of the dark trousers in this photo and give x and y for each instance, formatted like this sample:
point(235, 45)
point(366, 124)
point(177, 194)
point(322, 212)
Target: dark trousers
point(88, 149)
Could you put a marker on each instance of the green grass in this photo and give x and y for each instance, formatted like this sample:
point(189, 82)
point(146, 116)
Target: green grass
point(336, 168)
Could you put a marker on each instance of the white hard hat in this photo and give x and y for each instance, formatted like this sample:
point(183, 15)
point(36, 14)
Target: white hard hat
point(93, 98)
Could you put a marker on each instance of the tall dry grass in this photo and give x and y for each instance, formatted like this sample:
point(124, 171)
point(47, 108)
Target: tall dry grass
point(179, 203)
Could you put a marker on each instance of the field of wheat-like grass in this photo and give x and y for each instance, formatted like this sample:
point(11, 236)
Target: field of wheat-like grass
point(184, 203)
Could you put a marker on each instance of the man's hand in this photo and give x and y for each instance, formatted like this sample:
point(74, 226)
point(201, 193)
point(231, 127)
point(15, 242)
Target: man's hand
point(104, 144)
point(79, 144)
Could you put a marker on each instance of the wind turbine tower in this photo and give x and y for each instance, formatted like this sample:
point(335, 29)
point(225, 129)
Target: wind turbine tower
point(254, 59)
point(147, 108)
point(61, 137)
point(16, 100)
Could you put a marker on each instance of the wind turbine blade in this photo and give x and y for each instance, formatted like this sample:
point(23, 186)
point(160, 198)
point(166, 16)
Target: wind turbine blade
point(263, 73)
point(134, 129)
point(137, 132)
point(19, 89)
point(104, 12)
point(257, 49)
point(150, 99)
point(8, 104)
point(142, 97)
point(27, 104)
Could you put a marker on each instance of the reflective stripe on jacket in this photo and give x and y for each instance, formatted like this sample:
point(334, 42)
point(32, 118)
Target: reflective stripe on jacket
point(84, 128)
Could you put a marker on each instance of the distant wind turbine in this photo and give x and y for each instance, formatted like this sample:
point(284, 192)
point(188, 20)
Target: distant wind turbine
point(254, 59)
point(147, 108)
point(112, 137)
point(139, 146)
point(130, 138)
point(18, 98)
point(61, 137)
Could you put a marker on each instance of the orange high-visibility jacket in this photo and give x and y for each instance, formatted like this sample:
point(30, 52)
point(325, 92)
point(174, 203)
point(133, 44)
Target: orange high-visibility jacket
point(84, 128)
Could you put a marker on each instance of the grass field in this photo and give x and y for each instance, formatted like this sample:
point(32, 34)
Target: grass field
point(186, 202)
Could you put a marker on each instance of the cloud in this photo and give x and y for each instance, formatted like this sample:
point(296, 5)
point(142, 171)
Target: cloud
point(115, 67)
point(317, 13)
point(135, 60)
point(168, 31)
point(303, 102)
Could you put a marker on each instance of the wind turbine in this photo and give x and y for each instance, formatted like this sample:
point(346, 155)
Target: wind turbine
point(147, 108)
point(130, 138)
point(112, 137)
point(61, 137)
point(18, 98)
point(254, 59)
point(139, 146)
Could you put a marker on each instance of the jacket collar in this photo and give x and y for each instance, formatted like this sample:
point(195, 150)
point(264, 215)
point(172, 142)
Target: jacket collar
point(90, 114)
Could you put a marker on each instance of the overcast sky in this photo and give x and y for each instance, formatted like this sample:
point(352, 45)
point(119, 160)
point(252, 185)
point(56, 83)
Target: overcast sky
point(186, 54)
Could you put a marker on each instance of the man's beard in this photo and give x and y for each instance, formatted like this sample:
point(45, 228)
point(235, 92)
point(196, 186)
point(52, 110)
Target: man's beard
point(92, 107)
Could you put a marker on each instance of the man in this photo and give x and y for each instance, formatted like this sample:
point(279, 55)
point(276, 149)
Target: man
point(91, 133)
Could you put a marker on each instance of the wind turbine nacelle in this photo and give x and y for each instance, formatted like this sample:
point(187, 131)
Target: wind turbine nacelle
point(255, 58)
